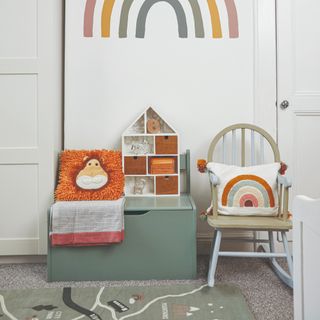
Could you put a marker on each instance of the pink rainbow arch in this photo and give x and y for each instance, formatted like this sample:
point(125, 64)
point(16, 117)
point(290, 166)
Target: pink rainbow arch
point(232, 18)
point(88, 18)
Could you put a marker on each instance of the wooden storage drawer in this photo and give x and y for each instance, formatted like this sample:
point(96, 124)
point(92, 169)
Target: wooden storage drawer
point(166, 144)
point(167, 185)
point(163, 165)
point(135, 165)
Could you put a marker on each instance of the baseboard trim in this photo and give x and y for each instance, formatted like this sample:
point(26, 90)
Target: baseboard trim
point(203, 248)
point(23, 259)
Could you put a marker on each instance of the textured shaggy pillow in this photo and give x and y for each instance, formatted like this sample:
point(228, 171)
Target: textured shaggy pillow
point(90, 175)
point(247, 190)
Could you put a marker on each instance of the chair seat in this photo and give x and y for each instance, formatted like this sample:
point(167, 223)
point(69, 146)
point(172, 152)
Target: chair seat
point(250, 223)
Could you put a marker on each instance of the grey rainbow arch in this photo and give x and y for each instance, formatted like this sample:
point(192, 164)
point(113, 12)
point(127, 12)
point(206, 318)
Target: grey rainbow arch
point(198, 22)
point(144, 10)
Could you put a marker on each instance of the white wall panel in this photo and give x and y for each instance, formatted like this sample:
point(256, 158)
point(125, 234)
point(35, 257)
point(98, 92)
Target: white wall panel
point(19, 201)
point(311, 267)
point(110, 81)
point(307, 48)
point(18, 28)
point(19, 111)
point(306, 150)
point(306, 262)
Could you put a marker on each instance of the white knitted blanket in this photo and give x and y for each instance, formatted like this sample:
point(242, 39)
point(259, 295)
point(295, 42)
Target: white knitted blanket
point(87, 223)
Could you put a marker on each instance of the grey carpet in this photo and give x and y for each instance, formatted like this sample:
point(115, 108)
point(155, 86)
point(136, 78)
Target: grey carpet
point(267, 296)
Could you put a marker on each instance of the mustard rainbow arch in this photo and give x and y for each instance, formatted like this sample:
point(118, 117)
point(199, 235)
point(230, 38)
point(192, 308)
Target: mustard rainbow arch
point(106, 18)
point(248, 191)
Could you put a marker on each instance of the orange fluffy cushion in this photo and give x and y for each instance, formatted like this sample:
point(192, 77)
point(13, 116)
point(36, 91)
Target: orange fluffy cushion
point(90, 175)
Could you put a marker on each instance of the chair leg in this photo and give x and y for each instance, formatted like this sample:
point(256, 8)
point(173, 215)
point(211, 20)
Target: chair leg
point(214, 257)
point(287, 251)
point(213, 243)
point(271, 242)
point(272, 249)
point(254, 241)
point(283, 275)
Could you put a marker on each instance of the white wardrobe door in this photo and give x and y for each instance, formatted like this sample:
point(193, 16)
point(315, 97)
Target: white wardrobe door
point(299, 92)
point(30, 102)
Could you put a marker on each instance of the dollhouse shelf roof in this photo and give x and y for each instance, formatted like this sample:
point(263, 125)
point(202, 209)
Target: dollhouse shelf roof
point(139, 125)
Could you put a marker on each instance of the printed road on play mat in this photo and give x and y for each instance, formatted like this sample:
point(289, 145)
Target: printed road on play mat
point(192, 302)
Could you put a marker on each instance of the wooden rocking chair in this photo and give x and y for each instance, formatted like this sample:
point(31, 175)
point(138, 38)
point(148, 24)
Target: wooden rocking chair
point(279, 223)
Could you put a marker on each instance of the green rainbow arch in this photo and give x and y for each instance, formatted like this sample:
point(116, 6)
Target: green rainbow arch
point(148, 4)
point(124, 16)
point(197, 18)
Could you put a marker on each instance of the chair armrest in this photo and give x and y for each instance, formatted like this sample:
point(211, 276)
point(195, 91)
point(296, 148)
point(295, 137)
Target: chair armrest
point(285, 181)
point(213, 178)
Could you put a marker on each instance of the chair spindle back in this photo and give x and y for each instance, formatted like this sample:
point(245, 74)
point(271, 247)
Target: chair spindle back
point(259, 139)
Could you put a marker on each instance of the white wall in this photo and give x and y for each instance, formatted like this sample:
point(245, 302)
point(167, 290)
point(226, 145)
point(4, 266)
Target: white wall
point(198, 85)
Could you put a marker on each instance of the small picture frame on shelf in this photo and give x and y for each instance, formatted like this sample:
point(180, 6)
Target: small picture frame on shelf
point(153, 126)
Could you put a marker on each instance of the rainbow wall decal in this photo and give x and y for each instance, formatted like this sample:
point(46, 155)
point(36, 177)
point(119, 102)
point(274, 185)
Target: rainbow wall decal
point(143, 13)
point(248, 191)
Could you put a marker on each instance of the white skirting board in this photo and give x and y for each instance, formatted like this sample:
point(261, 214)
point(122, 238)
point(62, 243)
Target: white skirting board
point(23, 259)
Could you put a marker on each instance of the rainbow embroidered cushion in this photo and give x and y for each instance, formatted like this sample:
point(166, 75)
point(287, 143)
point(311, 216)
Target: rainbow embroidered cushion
point(247, 191)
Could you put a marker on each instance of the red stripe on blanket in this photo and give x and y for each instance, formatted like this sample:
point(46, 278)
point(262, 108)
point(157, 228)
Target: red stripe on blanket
point(86, 238)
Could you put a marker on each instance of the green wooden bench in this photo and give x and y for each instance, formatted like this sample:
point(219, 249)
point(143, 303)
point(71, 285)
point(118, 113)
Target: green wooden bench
point(160, 243)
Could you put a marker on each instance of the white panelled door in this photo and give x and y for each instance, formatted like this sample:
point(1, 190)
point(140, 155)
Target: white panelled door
point(299, 92)
point(29, 100)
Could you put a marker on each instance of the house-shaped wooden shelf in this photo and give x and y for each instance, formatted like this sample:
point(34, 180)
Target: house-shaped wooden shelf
point(150, 157)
